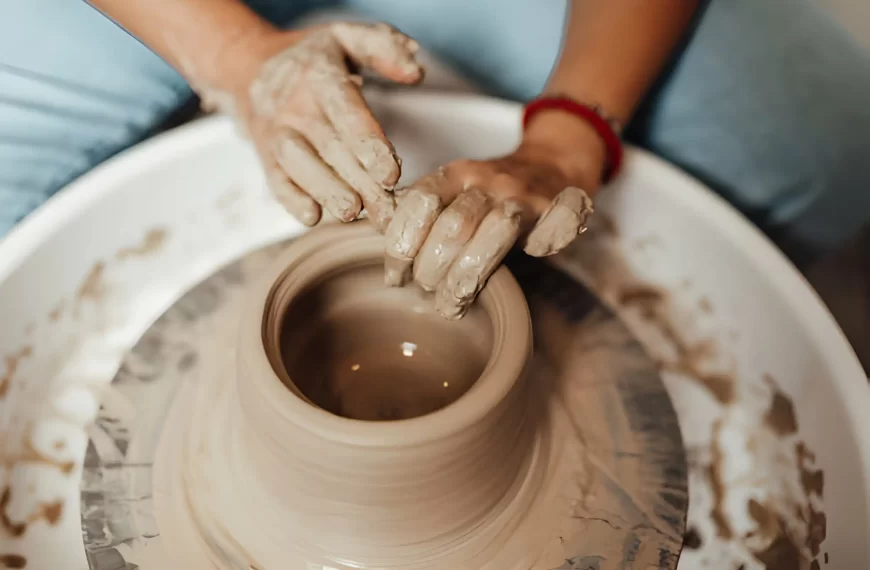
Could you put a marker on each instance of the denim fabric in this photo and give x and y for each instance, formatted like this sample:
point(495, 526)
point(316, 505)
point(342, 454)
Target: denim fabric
point(766, 103)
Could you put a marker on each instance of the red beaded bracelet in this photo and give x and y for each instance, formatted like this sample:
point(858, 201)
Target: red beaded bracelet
point(592, 116)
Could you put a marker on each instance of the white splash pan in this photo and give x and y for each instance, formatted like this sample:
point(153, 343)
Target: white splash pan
point(200, 184)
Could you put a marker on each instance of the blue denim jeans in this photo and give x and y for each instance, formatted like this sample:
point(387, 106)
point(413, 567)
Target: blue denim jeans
point(767, 102)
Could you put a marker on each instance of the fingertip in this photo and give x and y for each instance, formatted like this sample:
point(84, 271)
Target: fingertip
point(397, 271)
point(560, 224)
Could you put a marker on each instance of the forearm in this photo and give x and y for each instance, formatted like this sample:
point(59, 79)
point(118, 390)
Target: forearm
point(194, 36)
point(614, 50)
point(612, 53)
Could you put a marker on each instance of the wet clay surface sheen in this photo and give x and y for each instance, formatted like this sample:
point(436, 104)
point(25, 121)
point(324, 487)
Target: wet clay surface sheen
point(362, 351)
point(599, 482)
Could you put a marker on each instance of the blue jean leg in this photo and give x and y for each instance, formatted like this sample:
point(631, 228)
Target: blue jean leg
point(76, 89)
point(768, 105)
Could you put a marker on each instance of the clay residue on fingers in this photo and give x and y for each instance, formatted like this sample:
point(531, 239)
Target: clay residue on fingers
point(307, 171)
point(381, 47)
point(452, 230)
point(346, 109)
point(406, 233)
point(561, 223)
point(497, 233)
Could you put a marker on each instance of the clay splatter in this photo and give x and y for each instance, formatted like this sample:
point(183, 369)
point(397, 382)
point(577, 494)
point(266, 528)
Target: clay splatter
point(49, 512)
point(692, 540)
point(153, 241)
point(782, 554)
point(781, 415)
point(13, 561)
point(57, 312)
point(717, 485)
point(765, 518)
point(12, 363)
point(13, 528)
point(93, 287)
point(652, 304)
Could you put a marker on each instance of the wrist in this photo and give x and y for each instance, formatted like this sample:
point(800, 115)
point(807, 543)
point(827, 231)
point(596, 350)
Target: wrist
point(571, 143)
point(241, 54)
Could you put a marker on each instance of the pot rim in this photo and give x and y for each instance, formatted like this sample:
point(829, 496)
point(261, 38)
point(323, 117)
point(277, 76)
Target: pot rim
point(502, 300)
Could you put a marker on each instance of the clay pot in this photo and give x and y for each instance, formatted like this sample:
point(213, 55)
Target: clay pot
point(376, 425)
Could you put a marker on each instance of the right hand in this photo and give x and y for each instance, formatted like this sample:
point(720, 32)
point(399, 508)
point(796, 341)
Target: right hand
point(301, 105)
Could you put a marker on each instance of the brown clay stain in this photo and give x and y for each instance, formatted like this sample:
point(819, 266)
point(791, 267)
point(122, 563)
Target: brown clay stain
point(52, 512)
point(152, 242)
point(714, 473)
point(13, 528)
point(782, 554)
point(812, 480)
point(49, 512)
point(13, 561)
point(781, 416)
point(765, 518)
point(93, 287)
point(29, 454)
point(647, 298)
point(651, 303)
point(57, 312)
point(705, 305)
point(12, 363)
point(817, 530)
point(692, 540)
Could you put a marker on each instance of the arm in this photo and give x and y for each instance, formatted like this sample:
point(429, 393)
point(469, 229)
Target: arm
point(293, 93)
point(197, 37)
point(613, 52)
point(539, 194)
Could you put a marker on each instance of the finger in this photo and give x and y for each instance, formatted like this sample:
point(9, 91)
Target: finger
point(311, 174)
point(416, 214)
point(451, 231)
point(381, 48)
point(379, 203)
point(560, 224)
point(300, 205)
point(346, 109)
point(496, 235)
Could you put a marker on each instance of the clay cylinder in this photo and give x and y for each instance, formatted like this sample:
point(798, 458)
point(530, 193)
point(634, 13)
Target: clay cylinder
point(375, 424)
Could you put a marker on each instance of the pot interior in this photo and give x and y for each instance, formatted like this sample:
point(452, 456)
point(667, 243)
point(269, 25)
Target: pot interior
point(361, 350)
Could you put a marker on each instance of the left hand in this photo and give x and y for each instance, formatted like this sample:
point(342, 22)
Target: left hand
point(455, 225)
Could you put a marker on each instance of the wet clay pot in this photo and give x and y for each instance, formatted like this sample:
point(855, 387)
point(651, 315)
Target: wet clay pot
point(384, 435)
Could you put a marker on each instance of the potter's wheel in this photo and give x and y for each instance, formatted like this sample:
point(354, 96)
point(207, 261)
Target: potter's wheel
point(772, 403)
point(631, 492)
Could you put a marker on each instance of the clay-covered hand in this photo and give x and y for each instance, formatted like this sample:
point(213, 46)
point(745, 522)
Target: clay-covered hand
point(302, 107)
point(455, 225)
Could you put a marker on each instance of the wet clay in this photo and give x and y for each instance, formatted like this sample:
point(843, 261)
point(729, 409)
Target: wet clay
point(253, 472)
point(414, 364)
point(319, 143)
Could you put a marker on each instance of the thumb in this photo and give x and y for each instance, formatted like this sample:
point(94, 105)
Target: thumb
point(380, 48)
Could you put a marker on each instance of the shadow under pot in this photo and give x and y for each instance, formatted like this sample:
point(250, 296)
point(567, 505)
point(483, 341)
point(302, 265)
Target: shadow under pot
point(364, 397)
